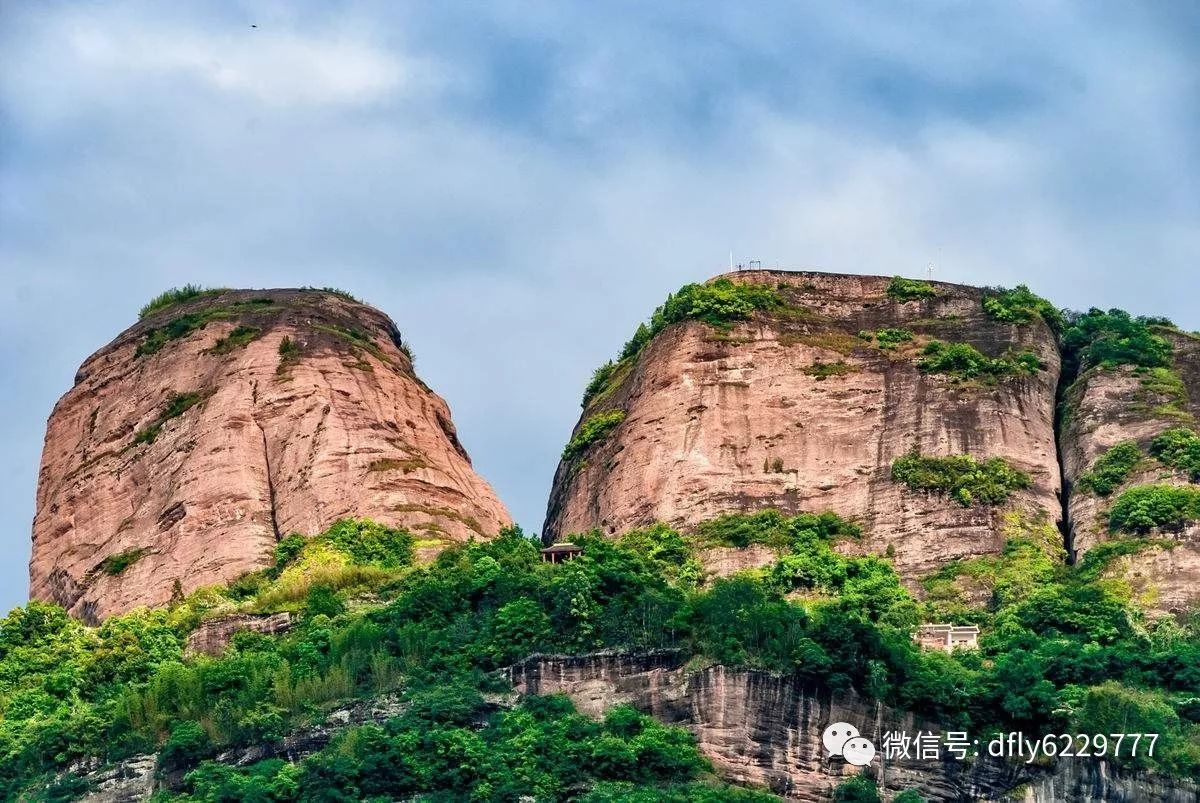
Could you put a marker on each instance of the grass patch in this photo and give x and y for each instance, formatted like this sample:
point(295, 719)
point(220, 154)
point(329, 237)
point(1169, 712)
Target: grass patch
point(113, 565)
point(407, 464)
point(594, 429)
point(1161, 393)
point(774, 529)
point(175, 406)
point(968, 481)
point(901, 289)
point(963, 361)
point(1111, 469)
point(159, 336)
point(238, 338)
point(178, 295)
point(887, 339)
point(1179, 448)
point(823, 370)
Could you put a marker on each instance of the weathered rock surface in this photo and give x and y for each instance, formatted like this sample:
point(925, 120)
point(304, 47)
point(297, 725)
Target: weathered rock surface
point(1103, 408)
point(211, 637)
point(718, 422)
point(135, 505)
point(765, 730)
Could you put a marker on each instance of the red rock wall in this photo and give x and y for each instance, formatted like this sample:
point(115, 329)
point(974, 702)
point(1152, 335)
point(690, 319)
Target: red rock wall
point(708, 413)
point(343, 428)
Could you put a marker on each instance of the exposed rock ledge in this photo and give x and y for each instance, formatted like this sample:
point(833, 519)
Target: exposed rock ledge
point(763, 729)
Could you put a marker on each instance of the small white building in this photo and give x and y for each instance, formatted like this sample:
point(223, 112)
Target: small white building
point(947, 637)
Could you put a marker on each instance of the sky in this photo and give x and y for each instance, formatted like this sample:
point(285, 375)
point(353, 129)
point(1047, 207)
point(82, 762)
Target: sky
point(518, 184)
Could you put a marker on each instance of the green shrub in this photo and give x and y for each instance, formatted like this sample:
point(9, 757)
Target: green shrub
point(371, 544)
point(718, 303)
point(176, 405)
point(888, 339)
point(594, 430)
point(772, 528)
point(177, 295)
point(1111, 469)
point(236, 339)
point(115, 564)
point(1179, 448)
point(967, 480)
point(856, 789)
point(185, 747)
point(963, 361)
point(901, 289)
point(1021, 305)
point(1146, 507)
point(909, 796)
point(1109, 339)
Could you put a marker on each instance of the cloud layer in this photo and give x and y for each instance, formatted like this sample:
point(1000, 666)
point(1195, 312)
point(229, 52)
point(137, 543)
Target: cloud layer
point(518, 184)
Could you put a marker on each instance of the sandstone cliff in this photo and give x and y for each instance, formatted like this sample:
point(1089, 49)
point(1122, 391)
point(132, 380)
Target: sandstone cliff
point(1106, 407)
point(764, 729)
point(202, 434)
point(802, 408)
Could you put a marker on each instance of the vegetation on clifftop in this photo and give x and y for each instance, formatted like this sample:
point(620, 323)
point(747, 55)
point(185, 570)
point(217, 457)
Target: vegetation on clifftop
point(901, 289)
point(177, 295)
point(719, 303)
point(1021, 305)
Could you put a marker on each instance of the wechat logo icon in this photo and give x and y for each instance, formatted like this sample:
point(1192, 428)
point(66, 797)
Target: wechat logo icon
point(843, 739)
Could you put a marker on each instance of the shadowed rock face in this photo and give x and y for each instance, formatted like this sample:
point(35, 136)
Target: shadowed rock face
point(726, 421)
point(764, 729)
point(202, 434)
point(1104, 408)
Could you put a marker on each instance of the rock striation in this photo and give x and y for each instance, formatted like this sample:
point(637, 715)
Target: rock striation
point(208, 430)
point(763, 729)
point(802, 409)
point(1105, 407)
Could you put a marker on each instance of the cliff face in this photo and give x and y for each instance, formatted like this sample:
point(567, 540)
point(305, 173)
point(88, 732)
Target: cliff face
point(1107, 407)
point(794, 409)
point(765, 730)
point(202, 434)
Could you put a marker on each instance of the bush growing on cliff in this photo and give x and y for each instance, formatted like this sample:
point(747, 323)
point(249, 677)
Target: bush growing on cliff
point(901, 289)
point(1179, 448)
point(1147, 507)
point(594, 430)
point(963, 361)
point(888, 339)
point(968, 481)
point(1109, 339)
point(1111, 469)
point(856, 789)
point(1021, 305)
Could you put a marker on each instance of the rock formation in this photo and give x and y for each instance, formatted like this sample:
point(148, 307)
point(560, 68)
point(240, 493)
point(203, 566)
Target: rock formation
point(803, 409)
point(764, 729)
point(208, 430)
point(1107, 407)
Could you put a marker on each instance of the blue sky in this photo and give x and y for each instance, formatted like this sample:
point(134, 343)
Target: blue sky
point(518, 184)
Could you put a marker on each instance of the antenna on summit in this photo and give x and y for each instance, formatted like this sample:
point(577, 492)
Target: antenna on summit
point(731, 261)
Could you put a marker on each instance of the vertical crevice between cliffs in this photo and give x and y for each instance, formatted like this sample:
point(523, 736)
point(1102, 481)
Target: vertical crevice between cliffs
point(270, 480)
point(1065, 380)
